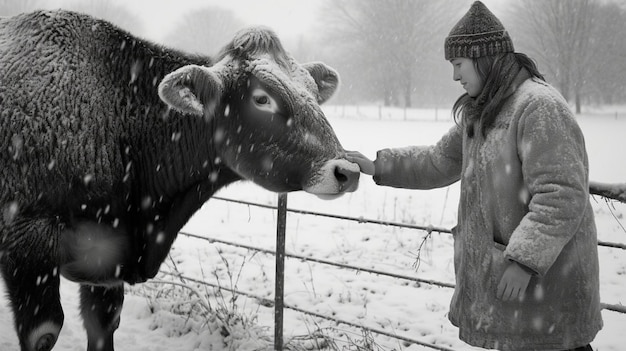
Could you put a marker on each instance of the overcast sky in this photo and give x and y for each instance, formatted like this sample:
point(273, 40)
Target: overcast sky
point(286, 17)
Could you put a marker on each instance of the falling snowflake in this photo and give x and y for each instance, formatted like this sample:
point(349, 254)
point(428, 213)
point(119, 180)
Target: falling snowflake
point(160, 238)
point(87, 179)
point(11, 211)
point(146, 202)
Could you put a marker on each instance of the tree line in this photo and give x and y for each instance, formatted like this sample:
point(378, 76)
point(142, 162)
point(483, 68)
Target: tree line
point(390, 52)
point(579, 44)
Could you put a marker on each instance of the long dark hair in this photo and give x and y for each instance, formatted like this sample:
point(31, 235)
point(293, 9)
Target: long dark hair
point(498, 72)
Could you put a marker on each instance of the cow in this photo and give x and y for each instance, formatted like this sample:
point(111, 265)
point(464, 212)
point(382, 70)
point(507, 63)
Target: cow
point(110, 143)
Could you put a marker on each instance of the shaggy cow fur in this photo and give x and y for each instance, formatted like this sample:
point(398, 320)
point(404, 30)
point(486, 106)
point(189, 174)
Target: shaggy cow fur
point(98, 175)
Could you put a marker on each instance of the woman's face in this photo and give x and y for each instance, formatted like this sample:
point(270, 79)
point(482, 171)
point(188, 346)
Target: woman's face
point(464, 70)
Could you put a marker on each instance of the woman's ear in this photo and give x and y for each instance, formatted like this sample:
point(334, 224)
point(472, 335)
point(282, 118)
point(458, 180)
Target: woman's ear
point(326, 78)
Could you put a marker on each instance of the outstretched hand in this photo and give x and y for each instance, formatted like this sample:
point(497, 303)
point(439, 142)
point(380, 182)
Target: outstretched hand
point(513, 283)
point(366, 165)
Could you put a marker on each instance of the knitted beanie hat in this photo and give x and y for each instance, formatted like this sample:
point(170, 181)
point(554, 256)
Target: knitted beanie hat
point(478, 33)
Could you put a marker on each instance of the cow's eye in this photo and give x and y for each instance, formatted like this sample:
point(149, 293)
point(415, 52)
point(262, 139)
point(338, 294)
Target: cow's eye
point(263, 101)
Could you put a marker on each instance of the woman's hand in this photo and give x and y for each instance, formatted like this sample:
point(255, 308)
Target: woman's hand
point(366, 165)
point(513, 283)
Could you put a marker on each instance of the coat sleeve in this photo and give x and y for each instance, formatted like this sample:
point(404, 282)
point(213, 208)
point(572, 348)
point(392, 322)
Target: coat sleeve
point(422, 167)
point(554, 161)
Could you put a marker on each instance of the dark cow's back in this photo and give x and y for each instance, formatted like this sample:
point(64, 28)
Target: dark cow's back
point(73, 90)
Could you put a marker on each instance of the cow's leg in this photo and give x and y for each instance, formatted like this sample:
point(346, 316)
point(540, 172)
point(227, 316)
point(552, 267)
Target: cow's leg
point(31, 275)
point(100, 308)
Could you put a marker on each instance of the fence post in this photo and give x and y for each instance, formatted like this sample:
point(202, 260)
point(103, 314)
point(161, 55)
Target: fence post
point(280, 271)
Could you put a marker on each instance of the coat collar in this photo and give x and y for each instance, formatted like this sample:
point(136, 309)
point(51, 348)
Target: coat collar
point(520, 78)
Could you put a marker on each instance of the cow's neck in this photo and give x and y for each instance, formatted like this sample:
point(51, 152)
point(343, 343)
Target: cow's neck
point(177, 159)
point(176, 169)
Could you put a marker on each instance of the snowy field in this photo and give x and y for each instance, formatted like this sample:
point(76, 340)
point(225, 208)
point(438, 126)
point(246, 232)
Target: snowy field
point(169, 317)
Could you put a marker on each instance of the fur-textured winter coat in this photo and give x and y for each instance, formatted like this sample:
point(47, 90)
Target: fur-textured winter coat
point(524, 197)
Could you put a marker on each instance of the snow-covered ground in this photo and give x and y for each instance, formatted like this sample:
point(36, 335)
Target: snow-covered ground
point(155, 315)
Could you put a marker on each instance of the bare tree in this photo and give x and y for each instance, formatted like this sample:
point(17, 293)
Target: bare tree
point(388, 45)
point(608, 68)
point(558, 34)
point(204, 31)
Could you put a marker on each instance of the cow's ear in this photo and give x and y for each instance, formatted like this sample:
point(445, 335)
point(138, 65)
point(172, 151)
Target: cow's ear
point(326, 78)
point(191, 89)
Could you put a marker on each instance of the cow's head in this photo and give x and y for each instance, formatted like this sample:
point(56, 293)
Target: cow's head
point(264, 110)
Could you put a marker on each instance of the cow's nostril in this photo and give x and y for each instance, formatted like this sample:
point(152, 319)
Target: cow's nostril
point(340, 175)
point(347, 178)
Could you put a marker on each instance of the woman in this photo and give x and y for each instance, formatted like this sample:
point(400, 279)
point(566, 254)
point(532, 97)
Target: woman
point(526, 259)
